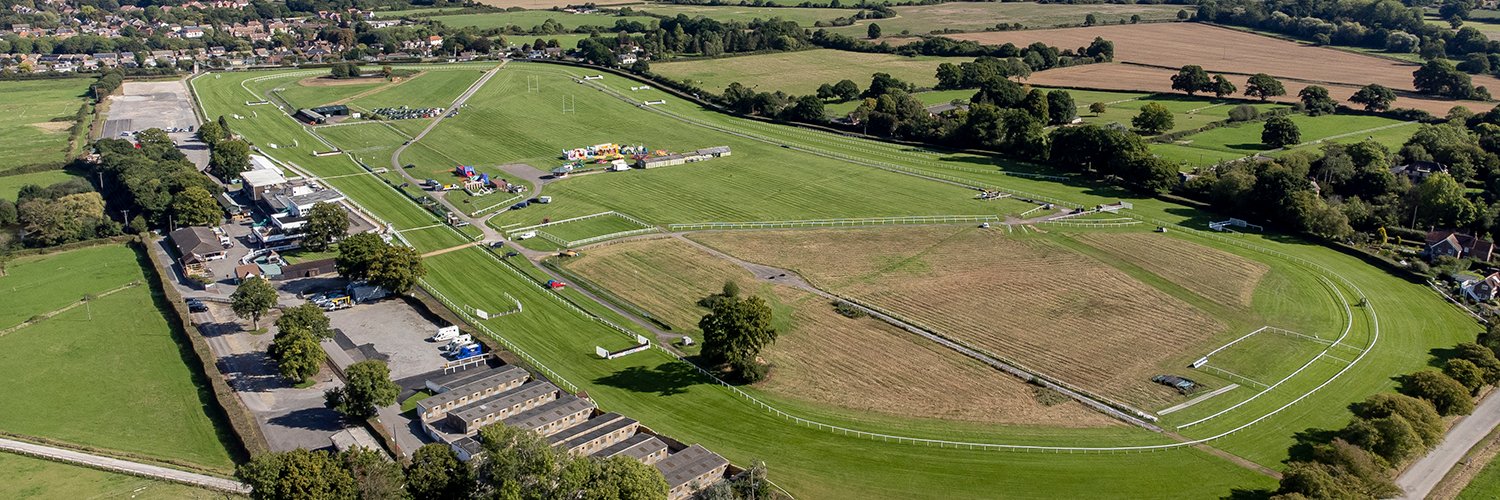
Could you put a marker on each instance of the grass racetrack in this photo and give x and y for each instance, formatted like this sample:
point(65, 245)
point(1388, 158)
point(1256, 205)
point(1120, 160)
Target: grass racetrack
point(26, 477)
point(801, 72)
point(35, 118)
point(108, 374)
point(1403, 320)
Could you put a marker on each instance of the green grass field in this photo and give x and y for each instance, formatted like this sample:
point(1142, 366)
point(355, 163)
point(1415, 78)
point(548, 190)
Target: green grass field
point(23, 477)
point(977, 16)
point(1187, 112)
point(671, 398)
point(10, 184)
point(1244, 140)
point(930, 98)
point(1484, 485)
point(594, 226)
point(526, 19)
point(309, 96)
point(35, 117)
point(430, 89)
point(803, 16)
point(55, 369)
point(801, 72)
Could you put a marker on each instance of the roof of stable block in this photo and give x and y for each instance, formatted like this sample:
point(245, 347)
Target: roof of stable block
point(684, 466)
point(590, 430)
point(638, 446)
point(540, 416)
point(482, 407)
point(500, 376)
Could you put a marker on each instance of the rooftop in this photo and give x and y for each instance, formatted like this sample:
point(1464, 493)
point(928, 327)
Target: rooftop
point(685, 466)
point(497, 377)
point(483, 407)
point(558, 409)
point(594, 428)
point(262, 177)
point(638, 446)
point(196, 240)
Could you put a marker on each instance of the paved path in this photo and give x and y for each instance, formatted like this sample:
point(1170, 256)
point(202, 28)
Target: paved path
point(1419, 479)
point(125, 466)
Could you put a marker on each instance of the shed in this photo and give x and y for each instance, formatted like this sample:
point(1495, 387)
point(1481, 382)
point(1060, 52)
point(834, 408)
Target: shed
point(364, 292)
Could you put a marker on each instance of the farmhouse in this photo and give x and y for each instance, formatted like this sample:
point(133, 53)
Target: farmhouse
point(1458, 245)
point(1418, 171)
point(197, 246)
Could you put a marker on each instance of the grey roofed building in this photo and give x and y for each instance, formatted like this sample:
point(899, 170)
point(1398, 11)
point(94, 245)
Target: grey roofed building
point(595, 434)
point(715, 151)
point(690, 468)
point(489, 383)
point(296, 203)
point(641, 446)
point(549, 418)
point(197, 244)
point(502, 405)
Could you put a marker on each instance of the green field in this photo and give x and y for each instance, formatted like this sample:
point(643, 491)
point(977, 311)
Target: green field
point(526, 19)
point(54, 369)
point(1231, 142)
point(763, 180)
point(591, 227)
point(430, 89)
point(26, 477)
point(1485, 485)
point(978, 16)
point(801, 72)
point(10, 184)
point(1187, 112)
point(930, 98)
point(384, 14)
point(803, 16)
point(35, 118)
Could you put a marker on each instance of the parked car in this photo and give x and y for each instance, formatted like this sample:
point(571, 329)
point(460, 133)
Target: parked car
point(197, 306)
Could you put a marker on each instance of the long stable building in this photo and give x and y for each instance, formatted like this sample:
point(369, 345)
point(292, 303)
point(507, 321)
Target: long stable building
point(468, 401)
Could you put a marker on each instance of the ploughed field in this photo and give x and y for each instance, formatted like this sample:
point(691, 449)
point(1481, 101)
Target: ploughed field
point(821, 357)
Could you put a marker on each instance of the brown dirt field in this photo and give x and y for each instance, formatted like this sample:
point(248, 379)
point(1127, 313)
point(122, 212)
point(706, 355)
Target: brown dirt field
point(1216, 275)
point(1217, 50)
point(547, 4)
point(825, 358)
point(1027, 298)
point(53, 126)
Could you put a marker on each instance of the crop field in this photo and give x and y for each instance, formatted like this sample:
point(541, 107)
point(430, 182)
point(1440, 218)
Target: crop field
point(1244, 140)
point(801, 72)
point(526, 19)
point(429, 89)
point(820, 356)
point(744, 13)
point(24, 477)
point(149, 402)
point(10, 184)
point(1230, 279)
point(978, 16)
point(1027, 306)
point(35, 118)
point(673, 399)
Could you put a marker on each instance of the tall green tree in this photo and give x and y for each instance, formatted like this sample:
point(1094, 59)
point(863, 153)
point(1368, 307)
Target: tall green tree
point(308, 318)
point(436, 473)
point(1153, 119)
point(1374, 97)
point(1060, 107)
point(1440, 77)
point(195, 206)
point(873, 32)
point(1315, 101)
point(1263, 86)
point(252, 299)
point(1466, 373)
point(735, 330)
point(1191, 79)
point(1482, 358)
point(1441, 201)
point(298, 474)
point(375, 477)
point(846, 90)
point(1280, 132)
point(368, 388)
point(229, 158)
point(298, 354)
point(1447, 395)
point(357, 253)
point(1420, 413)
point(326, 223)
point(1221, 87)
point(397, 269)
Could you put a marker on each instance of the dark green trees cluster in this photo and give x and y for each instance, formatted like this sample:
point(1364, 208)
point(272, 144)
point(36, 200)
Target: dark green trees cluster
point(344, 70)
point(367, 387)
point(296, 347)
point(228, 156)
point(366, 256)
point(734, 332)
point(155, 183)
point(1389, 430)
point(326, 224)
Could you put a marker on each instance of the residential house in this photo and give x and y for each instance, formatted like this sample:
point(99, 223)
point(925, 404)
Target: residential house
point(1483, 290)
point(197, 246)
point(1418, 171)
point(1458, 245)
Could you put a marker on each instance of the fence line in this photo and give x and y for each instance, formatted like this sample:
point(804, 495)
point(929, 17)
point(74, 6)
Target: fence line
point(556, 222)
point(867, 221)
point(610, 236)
point(512, 347)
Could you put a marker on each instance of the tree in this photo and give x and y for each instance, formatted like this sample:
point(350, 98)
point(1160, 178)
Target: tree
point(1153, 119)
point(73, 217)
point(1280, 132)
point(1490, 337)
point(252, 299)
point(386, 72)
point(1060, 107)
point(873, 31)
point(1243, 113)
point(374, 476)
point(397, 269)
point(1036, 104)
point(297, 353)
point(326, 223)
point(1419, 413)
point(623, 477)
point(1440, 77)
point(1191, 79)
point(883, 83)
point(825, 91)
point(1482, 358)
point(1442, 201)
point(846, 90)
point(369, 387)
point(1222, 86)
point(1090, 19)
point(1098, 107)
point(1315, 101)
point(297, 474)
point(356, 253)
point(229, 158)
point(194, 206)
point(211, 133)
point(1263, 86)
point(1391, 438)
point(1447, 395)
point(1374, 97)
point(436, 473)
point(809, 109)
point(735, 330)
point(307, 318)
point(1466, 373)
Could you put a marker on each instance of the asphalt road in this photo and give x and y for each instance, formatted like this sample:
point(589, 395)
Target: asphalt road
point(128, 467)
point(1419, 479)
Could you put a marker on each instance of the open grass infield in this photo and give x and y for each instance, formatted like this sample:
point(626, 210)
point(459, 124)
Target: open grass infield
point(35, 117)
point(672, 398)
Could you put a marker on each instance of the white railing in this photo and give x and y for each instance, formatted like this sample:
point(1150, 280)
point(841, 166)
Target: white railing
point(511, 346)
point(867, 221)
point(611, 236)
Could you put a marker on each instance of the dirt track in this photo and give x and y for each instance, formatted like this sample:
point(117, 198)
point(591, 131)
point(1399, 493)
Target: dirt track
point(1172, 45)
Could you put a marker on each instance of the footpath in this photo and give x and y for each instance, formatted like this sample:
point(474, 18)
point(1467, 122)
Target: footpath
point(1419, 479)
point(124, 466)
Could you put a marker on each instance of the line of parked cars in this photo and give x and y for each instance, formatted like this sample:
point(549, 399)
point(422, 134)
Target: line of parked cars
point(332, 301)
point(457, 345)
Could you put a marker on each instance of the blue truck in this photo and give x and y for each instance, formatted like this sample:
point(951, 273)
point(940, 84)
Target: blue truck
point(468, 351)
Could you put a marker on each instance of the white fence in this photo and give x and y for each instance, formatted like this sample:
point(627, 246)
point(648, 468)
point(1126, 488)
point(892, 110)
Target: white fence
point(868, 221)
point(453, 306)
point(610, 236)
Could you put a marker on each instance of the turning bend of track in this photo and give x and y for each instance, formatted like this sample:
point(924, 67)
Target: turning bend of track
point(490, 234)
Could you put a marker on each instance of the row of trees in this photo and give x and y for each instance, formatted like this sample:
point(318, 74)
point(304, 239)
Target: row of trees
point(1389, 430)
point(228, 155)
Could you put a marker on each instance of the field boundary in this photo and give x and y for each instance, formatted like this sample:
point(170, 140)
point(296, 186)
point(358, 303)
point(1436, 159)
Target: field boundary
point(849, 222)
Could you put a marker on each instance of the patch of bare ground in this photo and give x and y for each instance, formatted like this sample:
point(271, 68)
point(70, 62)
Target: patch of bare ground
point(824, 358)
point(1027, 299)
point(328, 81)
point(1216, 275)
point(53, 126)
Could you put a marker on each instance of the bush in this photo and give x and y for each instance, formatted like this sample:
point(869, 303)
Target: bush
point(1243, 113)
point(1447, 395)
point(751, 372)
point(848, 310)
point(1048, 396)
point(1466, 373)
